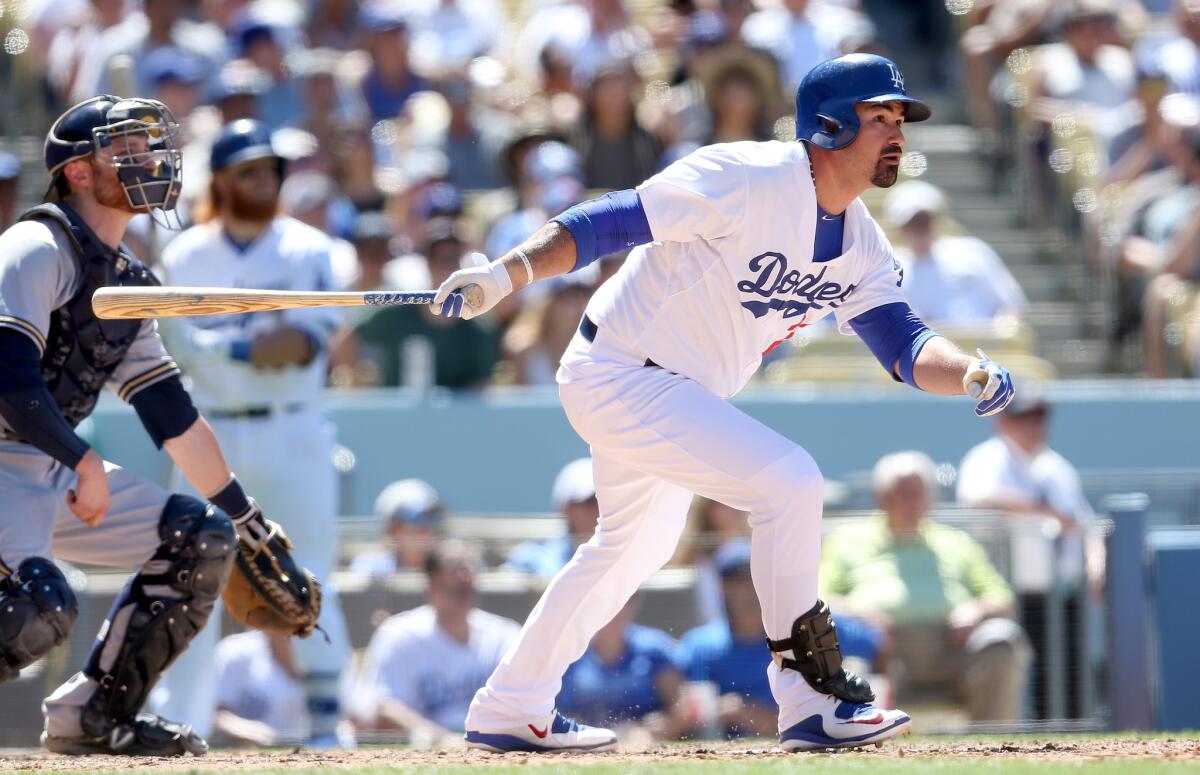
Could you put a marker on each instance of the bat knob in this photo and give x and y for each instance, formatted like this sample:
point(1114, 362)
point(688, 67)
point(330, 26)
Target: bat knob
point(974, 389)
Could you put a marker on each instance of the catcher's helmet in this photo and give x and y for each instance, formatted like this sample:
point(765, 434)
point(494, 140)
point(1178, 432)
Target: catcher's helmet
point(149, 167)
point(240, 141)
point(826, 98)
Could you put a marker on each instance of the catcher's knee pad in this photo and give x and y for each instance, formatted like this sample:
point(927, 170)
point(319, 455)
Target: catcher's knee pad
point(37, 611)
point(817, 656)
point(159, 611)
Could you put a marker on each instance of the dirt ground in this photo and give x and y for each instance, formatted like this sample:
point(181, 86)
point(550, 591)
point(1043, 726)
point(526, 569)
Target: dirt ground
point(1066, 750)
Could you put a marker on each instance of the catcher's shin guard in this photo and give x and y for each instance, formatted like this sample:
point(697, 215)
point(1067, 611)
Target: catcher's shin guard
point(818, 656)
point(159, 611)
point(37, 611)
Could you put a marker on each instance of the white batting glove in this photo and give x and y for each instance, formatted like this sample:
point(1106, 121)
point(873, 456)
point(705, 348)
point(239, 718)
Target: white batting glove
point(989, 383)
point(469, 293)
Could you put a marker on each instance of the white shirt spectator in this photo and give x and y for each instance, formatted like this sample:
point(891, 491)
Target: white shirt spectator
point(411, 659)
point(997, 468)
point(568, 26)
point(1109, 86)
point(960, 280)
point(448, 35)
point(801, 42)
point(251, 684)
point(203, 39)
point(1179, 60)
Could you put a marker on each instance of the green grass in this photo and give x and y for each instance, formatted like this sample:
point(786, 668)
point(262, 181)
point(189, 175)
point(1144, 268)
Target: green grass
point(741, 761)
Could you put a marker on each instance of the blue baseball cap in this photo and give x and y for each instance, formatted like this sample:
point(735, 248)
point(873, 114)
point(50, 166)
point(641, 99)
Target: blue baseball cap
point(705, 28)
point(171, 63)
point(440, 199)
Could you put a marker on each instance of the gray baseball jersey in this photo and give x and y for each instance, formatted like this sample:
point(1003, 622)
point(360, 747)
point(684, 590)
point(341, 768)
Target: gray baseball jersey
point(39, 274)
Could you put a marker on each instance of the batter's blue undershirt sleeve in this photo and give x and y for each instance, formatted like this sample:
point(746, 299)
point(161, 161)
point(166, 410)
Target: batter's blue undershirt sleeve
point(893, 333)
point(165, 409)
point(607, 224)
point(28, 407)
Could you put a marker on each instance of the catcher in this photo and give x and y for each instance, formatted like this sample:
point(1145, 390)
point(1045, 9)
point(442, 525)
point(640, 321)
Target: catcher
point(109, 159)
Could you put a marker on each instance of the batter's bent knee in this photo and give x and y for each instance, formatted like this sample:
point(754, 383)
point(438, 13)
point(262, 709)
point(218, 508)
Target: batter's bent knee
point(160, 611)
point(37, 611)
point(793, 480)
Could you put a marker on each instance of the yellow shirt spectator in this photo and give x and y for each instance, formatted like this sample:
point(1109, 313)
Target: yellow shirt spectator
point(913, 578)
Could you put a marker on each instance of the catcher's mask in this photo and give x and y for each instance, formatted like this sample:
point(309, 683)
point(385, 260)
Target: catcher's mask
point(135, 136)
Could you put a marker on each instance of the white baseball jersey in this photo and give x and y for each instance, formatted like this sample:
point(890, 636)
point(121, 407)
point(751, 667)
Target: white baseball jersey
point(289, 256)
point(251, 684)
point(412, 659)
point(731, 273)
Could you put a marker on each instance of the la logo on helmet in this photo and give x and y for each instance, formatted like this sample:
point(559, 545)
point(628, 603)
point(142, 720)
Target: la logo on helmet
point(897, 76)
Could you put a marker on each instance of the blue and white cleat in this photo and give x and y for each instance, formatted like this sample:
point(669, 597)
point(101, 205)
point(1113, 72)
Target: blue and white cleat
point(844, 724)
point(559, 733)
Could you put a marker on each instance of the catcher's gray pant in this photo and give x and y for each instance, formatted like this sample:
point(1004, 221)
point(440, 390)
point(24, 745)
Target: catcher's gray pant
point(35, 521)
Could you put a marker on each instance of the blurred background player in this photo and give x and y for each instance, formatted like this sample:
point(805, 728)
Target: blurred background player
point(629, 677)
point(413, 519)
point(423, 666)
point(260, 377)
point(574, 497)
point(1017, 472)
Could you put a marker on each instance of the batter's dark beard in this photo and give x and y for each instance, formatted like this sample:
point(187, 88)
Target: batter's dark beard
point(885, 174)
point(245, 209)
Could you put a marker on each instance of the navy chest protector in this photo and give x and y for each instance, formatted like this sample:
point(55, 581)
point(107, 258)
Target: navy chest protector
point(82, 351)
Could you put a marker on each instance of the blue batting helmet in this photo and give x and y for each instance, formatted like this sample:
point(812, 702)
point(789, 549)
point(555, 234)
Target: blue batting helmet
point(241, 141)
point(826, 98)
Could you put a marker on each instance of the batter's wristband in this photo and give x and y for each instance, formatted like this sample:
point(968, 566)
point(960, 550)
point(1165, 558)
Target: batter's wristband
point(232, 500)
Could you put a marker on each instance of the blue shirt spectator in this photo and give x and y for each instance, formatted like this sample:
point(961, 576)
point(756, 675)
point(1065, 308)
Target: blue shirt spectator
point(603, 692)
point(390, 81)
point(737, 665)
point(731, 652)
point(629, 675)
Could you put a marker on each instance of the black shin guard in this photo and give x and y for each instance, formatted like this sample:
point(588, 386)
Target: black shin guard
point(37, 611)
point(159, 611)
point(818, 656)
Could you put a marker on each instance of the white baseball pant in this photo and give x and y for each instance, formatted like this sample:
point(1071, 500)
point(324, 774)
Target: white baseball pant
point(657, 438)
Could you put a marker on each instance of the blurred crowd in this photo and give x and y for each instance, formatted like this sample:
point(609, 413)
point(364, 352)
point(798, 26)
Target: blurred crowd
point(1094, 106)
point(418, 132)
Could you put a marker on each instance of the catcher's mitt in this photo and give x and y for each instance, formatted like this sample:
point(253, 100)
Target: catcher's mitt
point(268, 590)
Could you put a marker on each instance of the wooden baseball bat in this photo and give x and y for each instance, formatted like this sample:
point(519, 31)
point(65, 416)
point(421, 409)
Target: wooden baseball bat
point(166, 302)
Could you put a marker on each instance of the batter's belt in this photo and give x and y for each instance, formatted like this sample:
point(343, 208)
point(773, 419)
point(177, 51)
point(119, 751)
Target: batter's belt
point(590, 329)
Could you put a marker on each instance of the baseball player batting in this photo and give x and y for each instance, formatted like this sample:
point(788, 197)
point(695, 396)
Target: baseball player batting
point(735, 247)
point(109, 159)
